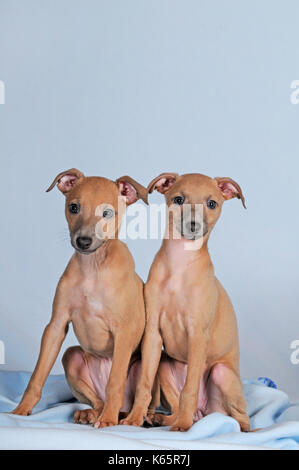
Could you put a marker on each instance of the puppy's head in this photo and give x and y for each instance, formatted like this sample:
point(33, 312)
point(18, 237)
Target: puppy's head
point(94, 206)
point(194, 201)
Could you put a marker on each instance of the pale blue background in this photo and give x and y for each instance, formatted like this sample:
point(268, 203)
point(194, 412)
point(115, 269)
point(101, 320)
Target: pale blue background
point(140, 87)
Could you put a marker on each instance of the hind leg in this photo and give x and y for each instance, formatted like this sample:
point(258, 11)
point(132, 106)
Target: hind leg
point(78, 376)
point(225, 394)
point(88, 377)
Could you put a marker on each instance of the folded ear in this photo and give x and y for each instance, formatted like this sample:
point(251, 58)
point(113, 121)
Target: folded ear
point(66, 180)
point(163, 182)
point(229, 189)
point(131, 190)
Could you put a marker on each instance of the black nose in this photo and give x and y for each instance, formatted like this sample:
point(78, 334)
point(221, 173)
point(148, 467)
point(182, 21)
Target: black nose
point(193, 226)
point(84, 242)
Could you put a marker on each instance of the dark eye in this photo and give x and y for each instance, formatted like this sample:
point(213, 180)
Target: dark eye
point(74, 208)
point(179, 200)
point(211, 204)
point(108, 213)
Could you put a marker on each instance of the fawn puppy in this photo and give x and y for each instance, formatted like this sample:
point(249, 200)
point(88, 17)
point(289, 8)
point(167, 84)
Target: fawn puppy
point(189, 312)
point(102, 296)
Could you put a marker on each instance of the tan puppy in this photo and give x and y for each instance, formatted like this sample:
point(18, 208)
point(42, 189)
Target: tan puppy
point(102, 296)
point(189, 312)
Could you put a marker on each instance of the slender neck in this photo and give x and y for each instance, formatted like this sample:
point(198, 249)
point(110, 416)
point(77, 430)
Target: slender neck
point(97, 260)
point(182, 254)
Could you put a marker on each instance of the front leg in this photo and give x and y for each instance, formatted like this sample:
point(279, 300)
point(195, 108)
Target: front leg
point(189, 397)
point(151, 349)
point(150, 357)
point(117, 380)
point(52, 339)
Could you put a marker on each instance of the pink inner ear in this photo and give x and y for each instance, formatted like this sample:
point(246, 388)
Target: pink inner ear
point(127, 190)
point(228, 189)
point(164, 184)
point(67, 182)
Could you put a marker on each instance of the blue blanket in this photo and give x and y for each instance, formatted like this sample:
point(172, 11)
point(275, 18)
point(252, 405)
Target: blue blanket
point(51, 426)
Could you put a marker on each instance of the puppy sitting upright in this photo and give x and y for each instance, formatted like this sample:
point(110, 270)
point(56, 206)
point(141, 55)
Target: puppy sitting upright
point(101, 295)
point(189, 312)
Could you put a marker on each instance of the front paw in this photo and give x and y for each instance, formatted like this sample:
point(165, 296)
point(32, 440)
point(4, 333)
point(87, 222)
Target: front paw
point(181, 424)
point(133, 419)
point(23, 410)
point(30, 398)
point(105, 420)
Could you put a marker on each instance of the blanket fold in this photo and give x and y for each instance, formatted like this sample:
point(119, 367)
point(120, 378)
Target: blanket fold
point(51, 424)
